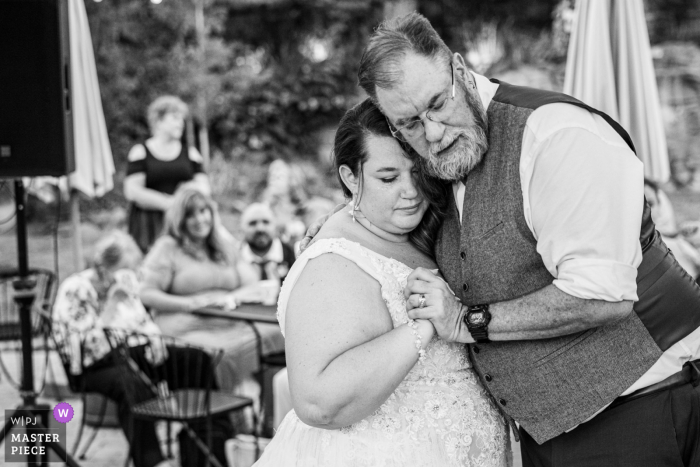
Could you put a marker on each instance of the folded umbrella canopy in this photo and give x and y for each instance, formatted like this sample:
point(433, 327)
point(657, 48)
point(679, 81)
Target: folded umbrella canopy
point(93, 155)
point(94, 166)
point(609, 67)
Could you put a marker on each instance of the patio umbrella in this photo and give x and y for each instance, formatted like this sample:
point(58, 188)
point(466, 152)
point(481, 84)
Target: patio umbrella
point(609, 67)
point(93, 156)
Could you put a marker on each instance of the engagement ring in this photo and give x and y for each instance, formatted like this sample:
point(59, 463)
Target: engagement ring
point(421, 301)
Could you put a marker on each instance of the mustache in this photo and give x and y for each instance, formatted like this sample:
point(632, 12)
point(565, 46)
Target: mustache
point(468, 149)
point(449, 138)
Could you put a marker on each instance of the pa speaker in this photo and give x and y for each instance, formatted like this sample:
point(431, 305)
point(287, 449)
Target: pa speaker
point(36, 124)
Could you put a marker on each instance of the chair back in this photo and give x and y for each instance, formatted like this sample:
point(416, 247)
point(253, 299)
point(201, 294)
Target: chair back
point(175, 377)
point(44, 294)
point(69, 347)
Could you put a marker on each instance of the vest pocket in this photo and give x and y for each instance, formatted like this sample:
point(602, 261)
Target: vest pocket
point(490, 232)
point(566, 343)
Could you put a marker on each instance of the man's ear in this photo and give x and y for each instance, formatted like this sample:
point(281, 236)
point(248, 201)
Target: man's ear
point(350, 180)
point(461, 69)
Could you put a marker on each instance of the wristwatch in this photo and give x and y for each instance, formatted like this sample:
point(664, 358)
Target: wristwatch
point(477, 319)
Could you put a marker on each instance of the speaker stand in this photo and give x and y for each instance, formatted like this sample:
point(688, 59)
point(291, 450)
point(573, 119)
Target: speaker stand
point(24, 297)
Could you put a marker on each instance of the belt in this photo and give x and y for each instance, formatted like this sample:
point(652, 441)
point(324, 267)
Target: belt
point(689, 374)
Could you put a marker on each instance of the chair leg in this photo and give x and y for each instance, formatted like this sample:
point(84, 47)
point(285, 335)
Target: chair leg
point(202, 447)
point(256, 434)
point(82, 426)
point(168, 440)
point(93, 435)
point(127, 461)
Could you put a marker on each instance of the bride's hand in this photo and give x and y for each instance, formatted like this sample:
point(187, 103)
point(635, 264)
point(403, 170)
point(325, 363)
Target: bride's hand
point(429, 297)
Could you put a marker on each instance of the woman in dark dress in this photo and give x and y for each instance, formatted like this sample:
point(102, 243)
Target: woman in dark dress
point(157, 167)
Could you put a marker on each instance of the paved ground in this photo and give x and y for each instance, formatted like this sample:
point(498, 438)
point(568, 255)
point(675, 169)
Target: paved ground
point(109, 449)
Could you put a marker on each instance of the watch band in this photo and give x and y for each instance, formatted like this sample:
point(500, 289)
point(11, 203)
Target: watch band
point(480, 335)
point(478, 331)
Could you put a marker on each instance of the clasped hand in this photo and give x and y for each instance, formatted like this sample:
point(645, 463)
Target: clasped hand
point(440, 305)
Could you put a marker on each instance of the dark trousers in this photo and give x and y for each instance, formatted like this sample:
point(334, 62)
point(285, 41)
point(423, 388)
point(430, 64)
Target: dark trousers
point(658, 430)
point(115, 382)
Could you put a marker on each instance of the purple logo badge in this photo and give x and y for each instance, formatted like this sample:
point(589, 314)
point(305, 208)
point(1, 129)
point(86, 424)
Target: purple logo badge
point(63, 412)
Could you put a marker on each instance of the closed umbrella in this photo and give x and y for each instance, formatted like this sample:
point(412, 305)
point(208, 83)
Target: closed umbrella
point(94, 166)
point(609, 67)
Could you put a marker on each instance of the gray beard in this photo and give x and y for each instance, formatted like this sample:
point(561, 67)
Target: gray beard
point(470, 145)
point(469, 149)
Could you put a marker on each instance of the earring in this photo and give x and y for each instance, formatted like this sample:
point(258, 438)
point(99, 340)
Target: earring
point(355, 208)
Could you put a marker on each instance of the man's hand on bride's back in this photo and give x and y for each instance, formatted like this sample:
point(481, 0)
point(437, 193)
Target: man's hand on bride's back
point(315, 227)
point(429, 297)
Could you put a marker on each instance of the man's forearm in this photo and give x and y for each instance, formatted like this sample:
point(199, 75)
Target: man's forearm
point(549, 312)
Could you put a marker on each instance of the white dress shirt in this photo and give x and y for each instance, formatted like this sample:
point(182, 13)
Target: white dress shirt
point(582, 188)
point(271, 261)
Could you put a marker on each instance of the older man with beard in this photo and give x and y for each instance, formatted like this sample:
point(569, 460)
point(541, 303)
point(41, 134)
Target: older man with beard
point(262, 247)
point(579, 320)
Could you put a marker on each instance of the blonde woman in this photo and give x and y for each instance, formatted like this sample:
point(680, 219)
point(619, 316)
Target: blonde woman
point(195, 264)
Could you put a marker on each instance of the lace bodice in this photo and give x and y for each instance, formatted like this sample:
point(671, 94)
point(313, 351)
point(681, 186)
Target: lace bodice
point(438, 415)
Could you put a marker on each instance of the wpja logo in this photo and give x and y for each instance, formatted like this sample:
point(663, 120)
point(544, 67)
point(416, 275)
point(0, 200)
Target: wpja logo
point(63, 412)
point(31, 435)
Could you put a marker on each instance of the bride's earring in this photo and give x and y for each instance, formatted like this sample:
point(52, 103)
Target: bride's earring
point(355, 208)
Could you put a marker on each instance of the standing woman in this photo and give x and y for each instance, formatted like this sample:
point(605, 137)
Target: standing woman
point(157, 167)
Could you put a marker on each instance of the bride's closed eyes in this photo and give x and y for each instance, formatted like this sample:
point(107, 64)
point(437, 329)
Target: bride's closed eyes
point(414, 173)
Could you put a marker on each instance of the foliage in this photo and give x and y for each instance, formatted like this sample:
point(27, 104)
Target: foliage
point(274, 74)
point(673, 20)
point(270, 75)
point(307, 79)
point(503, 34)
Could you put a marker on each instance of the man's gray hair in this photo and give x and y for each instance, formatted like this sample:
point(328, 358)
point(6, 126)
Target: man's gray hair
point(389, 44)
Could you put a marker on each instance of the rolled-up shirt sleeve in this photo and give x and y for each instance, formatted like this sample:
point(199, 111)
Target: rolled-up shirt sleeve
point(583, 191)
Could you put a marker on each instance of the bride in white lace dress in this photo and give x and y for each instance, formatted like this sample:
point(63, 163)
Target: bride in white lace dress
point(369, 386)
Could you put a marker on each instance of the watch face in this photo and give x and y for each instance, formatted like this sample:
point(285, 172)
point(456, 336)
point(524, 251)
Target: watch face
point(477, 318)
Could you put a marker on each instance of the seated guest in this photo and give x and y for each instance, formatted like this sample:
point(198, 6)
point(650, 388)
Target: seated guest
point(262, 248)
point(194, 265)
point(106, 295)
point(662, 213)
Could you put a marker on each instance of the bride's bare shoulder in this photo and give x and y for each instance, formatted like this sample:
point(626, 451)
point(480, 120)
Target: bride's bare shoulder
point(340, 225)
point(333, 278)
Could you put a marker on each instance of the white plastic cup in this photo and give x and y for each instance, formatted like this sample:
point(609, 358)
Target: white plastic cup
point(240, 451)
point(270, 289)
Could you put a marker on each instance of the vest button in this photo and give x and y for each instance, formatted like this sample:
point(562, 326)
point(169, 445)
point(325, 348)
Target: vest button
point(502, 401)
point(463, 255)
point(476, 349)
point(488, 378)
point(465, 287)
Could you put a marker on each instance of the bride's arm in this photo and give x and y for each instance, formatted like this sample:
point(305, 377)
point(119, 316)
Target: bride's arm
point(343, 355)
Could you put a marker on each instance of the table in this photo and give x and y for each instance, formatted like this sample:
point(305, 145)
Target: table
point(252, 313)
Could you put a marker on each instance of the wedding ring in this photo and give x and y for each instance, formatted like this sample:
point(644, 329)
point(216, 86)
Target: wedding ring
point(421, 301)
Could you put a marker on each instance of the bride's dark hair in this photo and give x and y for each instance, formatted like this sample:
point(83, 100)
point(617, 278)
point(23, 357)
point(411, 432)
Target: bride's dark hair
point(350, 148)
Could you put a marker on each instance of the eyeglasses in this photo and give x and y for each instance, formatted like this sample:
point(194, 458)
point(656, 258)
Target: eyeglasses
point(414, 128)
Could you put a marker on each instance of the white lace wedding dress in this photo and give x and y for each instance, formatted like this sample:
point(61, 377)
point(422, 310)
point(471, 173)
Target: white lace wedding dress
point(439, 416)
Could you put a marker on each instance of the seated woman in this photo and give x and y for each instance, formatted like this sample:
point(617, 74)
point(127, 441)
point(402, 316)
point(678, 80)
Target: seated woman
point(194, 265)
point(106, 295)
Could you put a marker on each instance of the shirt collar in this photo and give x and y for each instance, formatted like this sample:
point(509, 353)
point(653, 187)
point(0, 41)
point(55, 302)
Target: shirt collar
point(274, 254)
point(485, 88)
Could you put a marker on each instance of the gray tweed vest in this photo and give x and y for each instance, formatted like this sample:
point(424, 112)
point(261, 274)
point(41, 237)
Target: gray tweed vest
point(551, 385)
